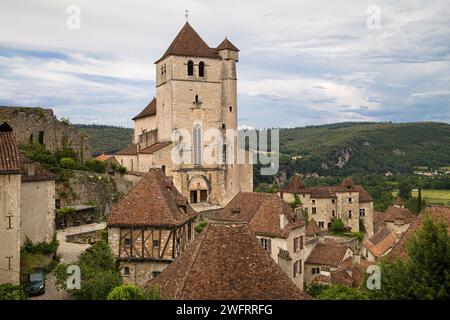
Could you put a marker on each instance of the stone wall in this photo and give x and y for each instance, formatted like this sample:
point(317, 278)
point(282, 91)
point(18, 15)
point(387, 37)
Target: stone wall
point(10, 228)
point(38, 211)
point(41, 125)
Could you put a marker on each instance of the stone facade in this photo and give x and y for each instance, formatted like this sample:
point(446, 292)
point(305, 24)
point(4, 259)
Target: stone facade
point(38, 210)
point(10, 228)
point(194, 102)
point(41, 125)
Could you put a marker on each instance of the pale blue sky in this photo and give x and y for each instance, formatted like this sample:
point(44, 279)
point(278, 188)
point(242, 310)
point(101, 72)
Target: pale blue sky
point(301, 62)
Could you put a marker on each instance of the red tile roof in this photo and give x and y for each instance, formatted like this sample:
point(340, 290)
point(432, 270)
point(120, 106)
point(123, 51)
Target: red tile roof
point(262, 212)
point(295, 186)
point(437, 213)
point(131, 150)
point(330, 254)
point(9, 154)
point(226, 44)
point(154, 201)
point(103, 157)
point(155, 147)
point(149, 110)
point(226, 262)
point(394, 213)
point(312, 229)
point(381, 242)
point(189, 44)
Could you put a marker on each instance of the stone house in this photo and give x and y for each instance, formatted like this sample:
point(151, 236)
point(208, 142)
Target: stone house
point(325, 258)
point(347, 201)
point(150, 227)
point(379, 245)
point(37, 202)
point(226, 262)
point(196, 94)
point(396, 218)
point(279, 231)
point(10, 198)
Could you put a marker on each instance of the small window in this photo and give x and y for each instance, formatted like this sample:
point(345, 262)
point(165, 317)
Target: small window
point(349, 214)
point(321, 224)
point(41, 137)
point(201, 69)
point(223, 126)
point(196, 98)
point(362, 212)
point(190, 68)
point(350, 200)
point(127, 242)
point(230, 108)
point(194, 196)
point(235, 212)
point(313, 201)
point(155, 243)
point(155, 274)
point(126, 271)
point(203, 195)
point(314, 210)
point(333, 213)
point(266, 244)
point(297, 267)
point(333, 201)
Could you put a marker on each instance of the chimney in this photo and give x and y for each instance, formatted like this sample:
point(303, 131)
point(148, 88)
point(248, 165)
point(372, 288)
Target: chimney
point(283, 220)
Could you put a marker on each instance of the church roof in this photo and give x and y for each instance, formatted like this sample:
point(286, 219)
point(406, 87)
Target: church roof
point(154, 201)
point(189, 43)
point(226, 44)
point(262, 212)
point(226, 262)
point(9, 154)
point(149, 110)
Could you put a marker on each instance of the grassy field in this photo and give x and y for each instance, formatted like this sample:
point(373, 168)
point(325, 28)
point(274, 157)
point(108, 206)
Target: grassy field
point(435, 196)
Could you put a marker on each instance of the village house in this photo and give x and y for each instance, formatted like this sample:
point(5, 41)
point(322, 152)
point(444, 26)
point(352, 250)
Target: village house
point(226, 262)
point(325, 258)
point(150, 227)
point(196, 92)
point(10, 183)
point(396, 218)
point(379, 245)
point(349, 202)
point(37, 202)
point(279, 231)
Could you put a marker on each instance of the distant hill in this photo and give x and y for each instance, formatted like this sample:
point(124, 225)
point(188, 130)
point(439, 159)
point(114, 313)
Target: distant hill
point(336, 149)
point(348, 148)
point(108, 139)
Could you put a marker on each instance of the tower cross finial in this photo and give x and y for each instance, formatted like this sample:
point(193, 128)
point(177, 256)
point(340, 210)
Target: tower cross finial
point(187, 15)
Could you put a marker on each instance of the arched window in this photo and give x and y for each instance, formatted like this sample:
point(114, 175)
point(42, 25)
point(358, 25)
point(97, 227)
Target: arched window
point(197, 144)
point(190, 68)
point(201, 69)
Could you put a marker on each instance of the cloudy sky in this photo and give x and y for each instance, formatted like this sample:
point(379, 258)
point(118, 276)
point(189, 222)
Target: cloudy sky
point(301, 62)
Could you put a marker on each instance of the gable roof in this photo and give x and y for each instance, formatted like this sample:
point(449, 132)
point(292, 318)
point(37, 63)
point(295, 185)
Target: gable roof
point(154, 201)
point(381, 242)
point(103, 157)
point(149, 110)
point(188, 43)
point(437, 213)
point(312, 229)
point(330, 254)
point(155, 147)
point(39, 172)
point(295, 186)
point(394, 213)
point(131, 150)
point(226, 262)
point(262, 212)
point(9, 154)
point(226, 44)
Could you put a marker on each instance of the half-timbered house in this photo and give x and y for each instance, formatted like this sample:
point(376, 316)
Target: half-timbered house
point(150, 227)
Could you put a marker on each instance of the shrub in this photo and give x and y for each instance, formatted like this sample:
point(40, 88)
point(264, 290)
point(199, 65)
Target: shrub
point(95, 165)
point(11, 292)
point(126, 292)
point(199, 228)
point(337, 226)
point(68, 163)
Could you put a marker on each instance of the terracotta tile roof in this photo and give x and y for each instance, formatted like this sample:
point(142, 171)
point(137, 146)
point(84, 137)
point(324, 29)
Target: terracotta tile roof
point(103, 157)
point(34, 171)
point(226, 44)
point(155, 147)
point(189, 44)
point(437, 213)
point(154, 201)
point(330, 254)
point(297, 187)
point(131, 150)
point(9, 154)
point(381, 242)
point(399, 202)
point(226, 262)
point(312, 229)
point(394, 213)
point(262, 212)
point(149, 110)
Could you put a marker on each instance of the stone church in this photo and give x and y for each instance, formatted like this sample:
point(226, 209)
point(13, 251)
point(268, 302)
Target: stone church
point(196, 91)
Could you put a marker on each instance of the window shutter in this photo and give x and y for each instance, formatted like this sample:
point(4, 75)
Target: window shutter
point(300, 266)
point(269, 245)
point(295, 244)
point(301, 242)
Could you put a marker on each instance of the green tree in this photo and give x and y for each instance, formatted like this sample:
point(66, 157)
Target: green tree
point(404, 190)
point(11, 292)
point(127, 292)
point(98, 273)
point(341, 292)
point(419, 200)
point(337, 226)
point(425, 274)
point(68, 163)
